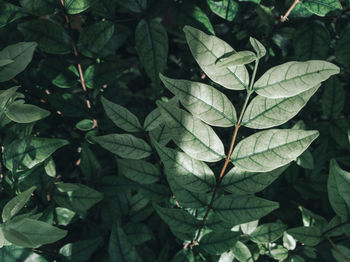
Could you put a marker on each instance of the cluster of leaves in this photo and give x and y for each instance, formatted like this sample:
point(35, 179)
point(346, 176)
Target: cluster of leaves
point(84, 179)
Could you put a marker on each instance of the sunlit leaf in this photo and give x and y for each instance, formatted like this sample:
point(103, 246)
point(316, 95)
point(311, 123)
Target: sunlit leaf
point(267, 233)
point(310, 236)
point(226, 9)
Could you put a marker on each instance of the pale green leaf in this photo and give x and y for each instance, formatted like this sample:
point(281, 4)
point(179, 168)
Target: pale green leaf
point(242, 182)
point(323, 7)
point(237, 58)
point(203, 101)
point(242, 209)
point(25, 113)
point(242, 252)
point(14, 253)
point(139, 170)
point(333, 99)
point(124, 145)
point(218, 242)
point(248, 228)
point(77, 6)
point(121, 116)
point(293, 78)
point(226, 9)
point(207, 49)
point(192, 174)
point(258, 47)
point(194, 137)
point(268, 232)
point(309, 236)
point(270, 149)
point(21, 54)
point(16, 204)
point(26, 153)
point(279, 253)
point(288, 241)
point(265, 112)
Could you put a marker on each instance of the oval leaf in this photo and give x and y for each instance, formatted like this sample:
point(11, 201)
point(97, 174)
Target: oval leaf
point(217, 243)
point(258, 47)
point(77, 6)
point(226, 9)
point(323, 7)
point(267, 233)
point(310, 236)
point(24, 113)
point(239, 58)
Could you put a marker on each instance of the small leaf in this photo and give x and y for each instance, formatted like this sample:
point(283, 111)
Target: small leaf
point(323, 7)
point(239, 58)
point(77, 6)
point(288, 241)
point(203, 101)
point(194, 137)
point(124, 145)
point(267, 233)
point(293, 78)
point(207, 50)
point(121, 116)
point(310, 236)
point(139, 171)
point(226, 9)
point(258, 47)
point(25, 113)
point(270, 149)
point(16, 204)
point(217, 243)
point(242, 209)
point(242, 252)
point(333, 99)
point(85, 125)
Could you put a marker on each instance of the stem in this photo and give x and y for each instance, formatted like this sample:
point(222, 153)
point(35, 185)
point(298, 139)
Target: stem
point(285, 17)
point(335, 227)
point(337, 250)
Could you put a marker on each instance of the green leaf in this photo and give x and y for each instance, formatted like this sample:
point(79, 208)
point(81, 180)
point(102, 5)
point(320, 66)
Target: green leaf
point(242, 252)
point(267, 233)
point(242, 209)
point(4, 62)
point(242, 182)
point(85, 125)
point(16, 204)
point(270, 149)
point(342, 53)
point(161, 134)
point(184, 255)
point(51, 37)
point(217, 243)
point(40, 7)
point(138, 233)
point(80, 251)
point(194, 137)
point(344, 250)
point(76, 197)
point(265, 112)
point(203, 101)
point(258, 47)
point(6, 95)
point(189, 173)
point(342, 179)
point(238, 58)
point(9, 13)
point(207, 49)
point(323, 7)
point(64, 216)
point(77, 6)
point(104, 73)
point(135, 6)
point(293, 78)
point(152, 46)
point(27, 152)
point(27, 232)
point(93, 39)
point(154, 192)
point(139, 171)
point(18, 254)
point(25, 113)
point(124, 145)
point(248, 228)
point(121, 116)
point(333, 99)
point(226, 9)
point(306, 160)
point(288, 241)
point(21, 54)
point(310, 236)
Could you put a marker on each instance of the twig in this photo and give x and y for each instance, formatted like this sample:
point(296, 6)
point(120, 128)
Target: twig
point(285, 17)
point(335, 227)
point(337, 250)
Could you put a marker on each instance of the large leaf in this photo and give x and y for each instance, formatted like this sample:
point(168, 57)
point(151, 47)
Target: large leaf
point(203, 101)
point(194, 137)
point(218, 242)
point(139, 171)
point(310, 236)
point(270, 149)
point(51, 37)
point(226, 9)
point(293, 78)
point(16, 204)
point(26, 153)
point(25, 113)
point(119, 248)
point(242, 209)
point(265, 112)
point(342, 53)
point(333, 99)
point(77, 6)
point(267, 233)
point(323, 7)
point(124, 145)
point(21, 54)
point(342, 179)
point(242, 182)
point(121, 116)
point(207, 50)
point(152, 46)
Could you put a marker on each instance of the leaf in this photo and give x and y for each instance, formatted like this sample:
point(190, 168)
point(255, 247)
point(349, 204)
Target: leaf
point(309, 236)
point(138, 233)
point(119, 248)
point(217, 243)
point(267, 233)
point(184, 255)
point(104, 73)
point(31, 233)
point(207, 50)
point(64, 216)
point(16, 204)
point(85, 125)
point(242, 209)
point(203, 101)
point(344, 250)
point(4, 62)
point(6, 96)
point(333, 99)
point(288, 241)
point(226, 9)
point(76, 197)
point(124, 145)
point(242, 252)
point(258, 47)
point(321, 8)
point(40, 7)
point(94, 38)
point(194, 137)
point(14, 253)
point(135, 6)
point(152, 46)
point(25, 113)
point(342, 53)
point(161, 134)
point(9, 13)
point(51, 37)
point(121, 116)
point(21, 54)
point(240, 182)
point(139, 171)
point(293, 78)
point(342, 179)
point(77, 6)
point(239, 58)
point(80, 251)
point(27, 152)
point(270, 149)
point(265, 112)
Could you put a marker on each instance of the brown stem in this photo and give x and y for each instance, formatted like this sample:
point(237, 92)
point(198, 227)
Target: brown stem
point(335, 227)
point(337, 250)
point(285, 17)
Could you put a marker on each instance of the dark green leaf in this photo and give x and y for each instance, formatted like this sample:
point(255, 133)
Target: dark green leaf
point(323, 7)
point(342, 53)
point(267, 233)
point(85, 125)
point(333, 99)
point(40, 7)
point(310, 236)
point(226, 9)
point(217, 243)
point(9, 13)
point(135, 6)
point(81, 250)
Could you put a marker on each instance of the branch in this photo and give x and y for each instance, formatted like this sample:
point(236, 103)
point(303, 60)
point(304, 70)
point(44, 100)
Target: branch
point(337, 250)
point(335, 227)
point(285, 17)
